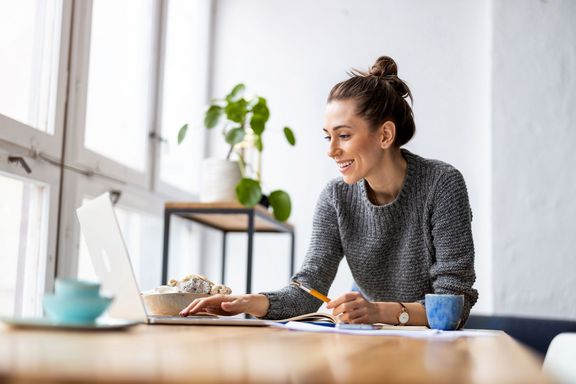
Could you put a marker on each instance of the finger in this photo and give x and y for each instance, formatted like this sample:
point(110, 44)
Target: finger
point(186, 310)
point(350, 296)
point(358, 316)
point(198, 304)
point(347, 307)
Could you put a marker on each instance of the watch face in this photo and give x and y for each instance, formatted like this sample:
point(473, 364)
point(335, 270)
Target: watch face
point(404, 317)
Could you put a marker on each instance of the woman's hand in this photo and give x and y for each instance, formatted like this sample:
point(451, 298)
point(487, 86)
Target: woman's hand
point(229, 305)
point(353, 308)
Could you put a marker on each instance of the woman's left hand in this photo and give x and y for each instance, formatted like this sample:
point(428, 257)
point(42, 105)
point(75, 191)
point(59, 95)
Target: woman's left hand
point(353, 308)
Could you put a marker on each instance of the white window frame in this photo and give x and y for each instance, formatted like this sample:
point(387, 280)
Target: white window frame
point(77, 186)
point(13, 131)
point(49, 175)
point(158, 185)
point(77, 154)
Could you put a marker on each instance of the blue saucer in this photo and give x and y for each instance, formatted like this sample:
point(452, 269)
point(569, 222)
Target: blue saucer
point(75, 310)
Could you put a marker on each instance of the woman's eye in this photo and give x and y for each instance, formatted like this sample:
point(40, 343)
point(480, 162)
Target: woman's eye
point(327, 138)
point(343, 136)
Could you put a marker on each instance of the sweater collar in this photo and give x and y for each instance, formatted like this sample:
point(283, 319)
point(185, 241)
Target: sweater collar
point(406, 184)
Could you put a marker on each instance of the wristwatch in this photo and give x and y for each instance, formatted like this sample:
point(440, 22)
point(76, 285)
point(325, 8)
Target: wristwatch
point(404, 316)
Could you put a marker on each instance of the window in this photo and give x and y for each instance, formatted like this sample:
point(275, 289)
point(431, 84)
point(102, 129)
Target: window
point(119, 81)
point(184, 87)
point(23, 235)
point(29, 53)
point(109, 77)
point(142, 233)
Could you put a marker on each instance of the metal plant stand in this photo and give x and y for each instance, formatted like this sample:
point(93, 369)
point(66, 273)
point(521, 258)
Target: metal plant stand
point(227, 218)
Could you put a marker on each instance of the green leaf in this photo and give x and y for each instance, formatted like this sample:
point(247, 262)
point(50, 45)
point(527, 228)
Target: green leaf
point(182, 133)
point(248, 192)
point(236, 110)
point(261, 109)
point(258, 143)
point(235, 135)
point(289, 136)
point(281, 205)
point(257, 123)
point(212, 116)
point(237, 91)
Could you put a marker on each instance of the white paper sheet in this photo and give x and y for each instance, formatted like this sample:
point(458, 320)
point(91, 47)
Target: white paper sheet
point(418, 333)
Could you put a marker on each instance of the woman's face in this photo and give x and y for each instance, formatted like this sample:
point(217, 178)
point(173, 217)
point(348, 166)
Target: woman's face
point(352, 144)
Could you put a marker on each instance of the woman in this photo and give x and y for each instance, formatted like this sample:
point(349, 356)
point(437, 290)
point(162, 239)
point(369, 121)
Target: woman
point(403, 222)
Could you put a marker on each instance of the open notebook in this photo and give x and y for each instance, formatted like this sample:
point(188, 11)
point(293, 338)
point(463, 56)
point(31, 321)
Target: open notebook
point(315, 317)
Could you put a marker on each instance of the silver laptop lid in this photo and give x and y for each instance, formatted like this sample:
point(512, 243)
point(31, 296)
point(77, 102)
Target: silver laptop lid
point(110, 258)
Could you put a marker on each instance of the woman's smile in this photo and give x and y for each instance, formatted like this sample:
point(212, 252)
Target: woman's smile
point(344, 166)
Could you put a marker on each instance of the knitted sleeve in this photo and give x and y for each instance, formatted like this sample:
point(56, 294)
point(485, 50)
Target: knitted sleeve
point(320, 265)
point(452, 271)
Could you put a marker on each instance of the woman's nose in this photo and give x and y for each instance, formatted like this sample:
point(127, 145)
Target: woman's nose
point(333, 149)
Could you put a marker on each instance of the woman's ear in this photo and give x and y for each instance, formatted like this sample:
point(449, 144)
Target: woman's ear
point(387, 134)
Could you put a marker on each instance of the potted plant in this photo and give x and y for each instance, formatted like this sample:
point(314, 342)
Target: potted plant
point(243, 123)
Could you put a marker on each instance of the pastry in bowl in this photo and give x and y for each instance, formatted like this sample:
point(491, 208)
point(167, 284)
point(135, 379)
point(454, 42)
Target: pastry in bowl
point(169, 300)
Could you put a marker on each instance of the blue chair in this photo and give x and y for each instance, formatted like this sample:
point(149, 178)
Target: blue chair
point(536, 333)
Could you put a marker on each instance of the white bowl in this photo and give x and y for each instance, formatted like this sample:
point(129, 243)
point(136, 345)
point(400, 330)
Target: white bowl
point(168, 304)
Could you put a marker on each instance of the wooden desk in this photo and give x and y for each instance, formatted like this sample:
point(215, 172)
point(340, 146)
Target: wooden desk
point(155, 353)
point(226, 217)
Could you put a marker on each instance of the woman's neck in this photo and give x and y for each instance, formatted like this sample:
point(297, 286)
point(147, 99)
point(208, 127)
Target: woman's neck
point(385, 186)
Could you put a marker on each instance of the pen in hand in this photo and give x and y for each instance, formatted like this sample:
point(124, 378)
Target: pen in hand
point(311, 291)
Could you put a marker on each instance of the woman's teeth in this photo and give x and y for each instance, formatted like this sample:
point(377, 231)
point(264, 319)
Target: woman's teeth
point(345, 164)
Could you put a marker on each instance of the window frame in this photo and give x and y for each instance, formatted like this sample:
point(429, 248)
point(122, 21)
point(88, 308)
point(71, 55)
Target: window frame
point(158, 184)
point(48, 175)
point(25, 136)
point(77, 154)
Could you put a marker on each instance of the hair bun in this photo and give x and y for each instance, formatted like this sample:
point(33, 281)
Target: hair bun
point(384, 66)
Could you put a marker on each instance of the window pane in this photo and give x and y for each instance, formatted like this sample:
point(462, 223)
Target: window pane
point(143, 236)
point(29, 52)
point(118, 105)
point(23, 236)
point(183, 92)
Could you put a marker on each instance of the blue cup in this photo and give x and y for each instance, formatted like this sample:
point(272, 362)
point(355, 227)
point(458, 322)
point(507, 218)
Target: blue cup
point(444, 311)
point(75, 302)
point(73, 288)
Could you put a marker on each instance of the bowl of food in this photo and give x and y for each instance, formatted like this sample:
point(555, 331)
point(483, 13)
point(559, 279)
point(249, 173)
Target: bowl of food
point(169, 304)
point(169, 300)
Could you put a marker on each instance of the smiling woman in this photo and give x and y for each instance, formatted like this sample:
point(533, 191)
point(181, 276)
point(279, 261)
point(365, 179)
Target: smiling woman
point(402, 222)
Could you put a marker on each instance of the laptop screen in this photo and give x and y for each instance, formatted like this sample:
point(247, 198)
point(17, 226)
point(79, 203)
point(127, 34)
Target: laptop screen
point(110, 258)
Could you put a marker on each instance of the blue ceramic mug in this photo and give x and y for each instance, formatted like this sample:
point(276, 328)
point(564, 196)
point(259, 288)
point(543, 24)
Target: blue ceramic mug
point(444, 311)
point(75, 301)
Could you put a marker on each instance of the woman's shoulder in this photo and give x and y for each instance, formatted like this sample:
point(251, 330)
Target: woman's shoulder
point(433, 170)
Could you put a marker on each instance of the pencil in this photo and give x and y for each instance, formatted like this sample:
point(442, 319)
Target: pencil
point(311, 291)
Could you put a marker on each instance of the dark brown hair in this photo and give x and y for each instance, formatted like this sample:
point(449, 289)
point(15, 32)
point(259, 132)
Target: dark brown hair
point(380, 96)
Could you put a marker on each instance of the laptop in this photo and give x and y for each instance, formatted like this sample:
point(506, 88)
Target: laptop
point(112, 265)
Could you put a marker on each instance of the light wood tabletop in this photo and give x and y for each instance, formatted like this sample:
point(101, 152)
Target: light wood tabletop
point(207, 354)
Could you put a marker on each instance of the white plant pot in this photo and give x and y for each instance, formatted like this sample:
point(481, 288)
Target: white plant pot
point(218, 179)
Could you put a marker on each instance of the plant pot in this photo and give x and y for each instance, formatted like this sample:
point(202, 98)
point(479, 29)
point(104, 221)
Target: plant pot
point(218, 179)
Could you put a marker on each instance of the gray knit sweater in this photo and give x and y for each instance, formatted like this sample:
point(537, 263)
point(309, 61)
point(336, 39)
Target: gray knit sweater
point(419, 243)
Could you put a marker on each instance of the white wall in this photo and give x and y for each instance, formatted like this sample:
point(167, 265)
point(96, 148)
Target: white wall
point(293, 52)
point(534, 185)
point(494, 83)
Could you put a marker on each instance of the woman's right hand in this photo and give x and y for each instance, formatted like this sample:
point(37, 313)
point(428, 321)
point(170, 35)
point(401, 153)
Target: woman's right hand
point(229, 305)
